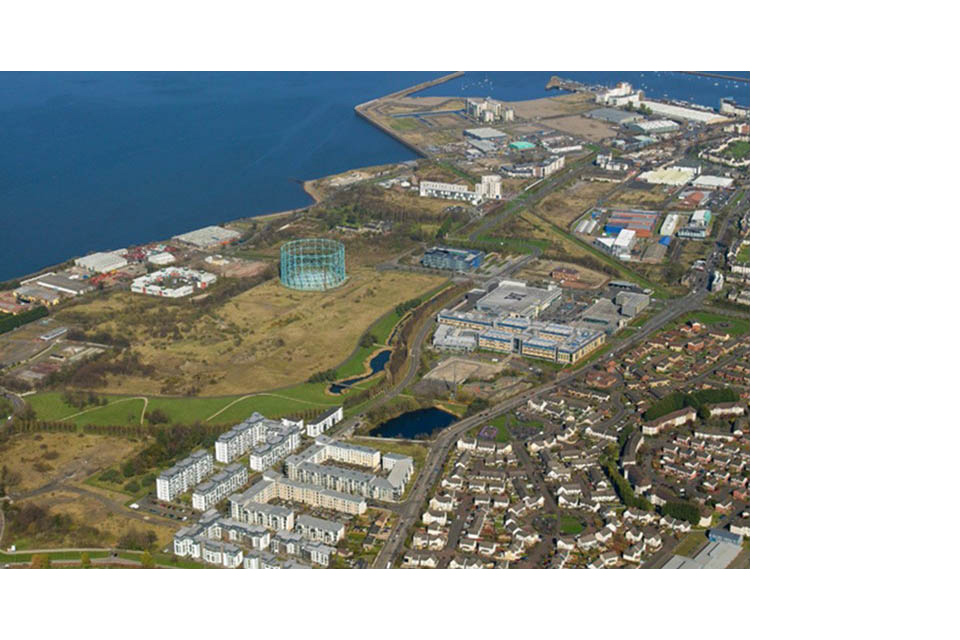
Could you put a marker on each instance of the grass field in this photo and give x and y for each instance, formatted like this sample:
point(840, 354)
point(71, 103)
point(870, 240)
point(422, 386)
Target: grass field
point(738, 150)
point(569, 525)
point(735, 326)
point(743, 255)
point(690, 543)
point(563, 207)
point(267, 337)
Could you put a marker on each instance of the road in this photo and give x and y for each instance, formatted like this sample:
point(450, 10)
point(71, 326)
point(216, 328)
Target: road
point(413, 506)
point(17, 402)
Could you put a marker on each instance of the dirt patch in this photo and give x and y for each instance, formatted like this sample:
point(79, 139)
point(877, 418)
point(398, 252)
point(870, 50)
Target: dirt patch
point(39, 459)
point(569, 275)
point(582, 127)
point(458, 370)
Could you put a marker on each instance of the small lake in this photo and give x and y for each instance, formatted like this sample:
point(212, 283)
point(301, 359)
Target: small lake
point(377, 364)
point(421, 423)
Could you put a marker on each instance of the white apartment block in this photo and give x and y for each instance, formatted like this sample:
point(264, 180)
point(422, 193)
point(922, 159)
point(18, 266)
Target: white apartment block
point(489, 188)
point(325, 422)
point(185, 474)
point(320, 530)
point(256, 430)
point(218, 487)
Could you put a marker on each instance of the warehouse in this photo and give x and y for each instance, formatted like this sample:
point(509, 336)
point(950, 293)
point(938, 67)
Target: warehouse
point(672, 176)
point(211, 236)
point(102, 262)
point(683, 113)
point(656, 126)
point(515, 298)
point(484, 133)
point(63, 284)
point(669, 224)
point(713, 182)
point(700, 218)
point(641, 222)
point(522, 145)
point(613, 116)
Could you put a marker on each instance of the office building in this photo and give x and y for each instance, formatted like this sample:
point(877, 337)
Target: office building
point(460, 260)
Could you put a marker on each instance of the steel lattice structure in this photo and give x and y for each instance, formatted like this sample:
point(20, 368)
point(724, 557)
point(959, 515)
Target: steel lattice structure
point(312, 264)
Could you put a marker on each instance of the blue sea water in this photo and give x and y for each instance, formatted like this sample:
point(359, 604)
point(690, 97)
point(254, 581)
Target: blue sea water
point(94, 161)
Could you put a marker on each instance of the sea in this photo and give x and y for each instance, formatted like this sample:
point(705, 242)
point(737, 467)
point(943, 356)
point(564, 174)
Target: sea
point(96, 161)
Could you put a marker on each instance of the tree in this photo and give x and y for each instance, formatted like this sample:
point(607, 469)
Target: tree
point(40, 561)
point(147, 560)
point(682, 511)
point(85, 560)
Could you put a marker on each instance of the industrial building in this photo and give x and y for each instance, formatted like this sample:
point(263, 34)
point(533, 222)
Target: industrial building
point(450, 259)
point(206, 237)
point(507, 333)
point(671, 176)
point(485, 133)
point(700, 218)
point(60, 283)
point(728, 106)
point(713, 182)
point(614, 116)
point(182, 282)
point(669, 224)
point(620, 246)
point(665, 110)
point(521, 145)
point(641, 222)
point(651, 127)
point(102, 262)
point(514, 298)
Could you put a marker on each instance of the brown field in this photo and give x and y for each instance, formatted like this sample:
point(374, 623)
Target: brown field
point(77, 457)
point(541, 269)
point(416, 104)
point(641, 197)
point(554, 106)
point(563, 207)
point(264, 338)
point(587, 128)
point(457, 370)
point(86, 509)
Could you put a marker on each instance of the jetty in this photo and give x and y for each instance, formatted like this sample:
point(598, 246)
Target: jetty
point(720, 76)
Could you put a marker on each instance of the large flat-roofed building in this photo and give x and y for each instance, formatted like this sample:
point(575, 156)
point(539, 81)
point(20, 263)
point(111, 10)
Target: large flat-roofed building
point(102, 262)
point(640, 222)
point(515, 298)
point(485, 133)
point(63, 284)
point(614, 116)
point(683, 113)
point(452, 259)
point(671, 176)
point(656, 126)
point(713, 182)
point(511, 334)
point(211, 236)
point(183, 475)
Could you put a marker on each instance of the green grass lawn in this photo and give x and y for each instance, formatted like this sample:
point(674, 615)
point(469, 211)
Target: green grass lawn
point(738, 150)
point(743, 255)
point(689, 544)
point(569, 525)
point(734, 326)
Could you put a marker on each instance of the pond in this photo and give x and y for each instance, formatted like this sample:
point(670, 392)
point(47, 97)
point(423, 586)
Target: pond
point(421, 423)
point(377, 364)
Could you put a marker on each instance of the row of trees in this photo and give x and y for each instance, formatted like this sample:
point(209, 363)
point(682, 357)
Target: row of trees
point(9, 323)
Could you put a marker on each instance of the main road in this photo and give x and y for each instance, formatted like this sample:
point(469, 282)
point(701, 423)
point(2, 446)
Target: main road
point(410, 509)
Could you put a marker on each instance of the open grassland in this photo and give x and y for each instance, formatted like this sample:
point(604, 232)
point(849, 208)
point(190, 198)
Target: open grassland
point(563, 207)
point(267, 337)
point(633, 198)
point(35, 460)
point(738, 150)
point(566, 104)
point(743, 255)
point(734, 326)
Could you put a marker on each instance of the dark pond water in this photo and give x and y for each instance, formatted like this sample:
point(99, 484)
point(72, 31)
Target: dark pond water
point(378, 362)
point(421, 423)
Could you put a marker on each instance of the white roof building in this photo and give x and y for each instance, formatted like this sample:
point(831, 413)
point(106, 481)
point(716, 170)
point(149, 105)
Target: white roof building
point(102, 262)
point(713, 182)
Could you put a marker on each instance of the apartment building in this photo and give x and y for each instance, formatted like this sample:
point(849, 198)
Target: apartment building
point(183, 475)
point(253, 431)
point(318, 529)
point(219, 486)
point(325, 422)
